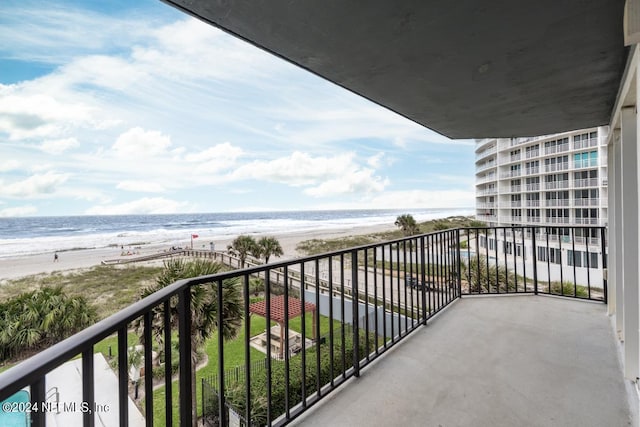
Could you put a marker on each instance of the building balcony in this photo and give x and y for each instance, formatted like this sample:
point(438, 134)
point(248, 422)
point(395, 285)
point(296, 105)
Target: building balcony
point(533, 170)
point(587, 182)
point(515, 189)
point(492, 362)
point(511, 173)
point(589, 163)
point(370, 299)
point(532, 187)
point(486, 205)
point(586, 202)
point(485, 166)
point(556, 167)
point(556, 202)
point(557, 220)
point(586, 221)
point(592, 142)
point(552, 185)
point(532, 154)
point(486, 152)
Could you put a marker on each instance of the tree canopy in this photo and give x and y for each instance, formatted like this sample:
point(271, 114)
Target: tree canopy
point(267, 247)
point(243, 246)
point(407, 224)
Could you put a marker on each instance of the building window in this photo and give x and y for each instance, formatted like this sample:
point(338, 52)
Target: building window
point(508, 248)
point(579, 259)
point(555, 256)
point(543, 252)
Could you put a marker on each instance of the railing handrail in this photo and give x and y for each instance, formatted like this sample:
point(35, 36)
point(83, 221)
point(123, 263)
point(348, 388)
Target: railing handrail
point(447, 254)
point(36, 366)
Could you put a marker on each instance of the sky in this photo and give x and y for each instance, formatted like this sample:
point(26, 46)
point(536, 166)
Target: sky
point(132, 107)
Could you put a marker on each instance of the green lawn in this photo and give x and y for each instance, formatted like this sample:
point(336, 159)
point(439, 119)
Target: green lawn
point(233, 356)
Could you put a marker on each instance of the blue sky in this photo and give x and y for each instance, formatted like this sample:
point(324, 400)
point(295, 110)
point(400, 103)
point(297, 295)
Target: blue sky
point(118, 107)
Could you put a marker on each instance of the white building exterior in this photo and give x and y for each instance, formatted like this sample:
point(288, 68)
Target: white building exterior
point(557, 182)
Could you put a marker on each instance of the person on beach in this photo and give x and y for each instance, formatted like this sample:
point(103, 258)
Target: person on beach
point(55, 257)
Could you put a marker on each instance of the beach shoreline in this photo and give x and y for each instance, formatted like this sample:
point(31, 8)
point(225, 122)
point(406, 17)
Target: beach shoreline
point(20, 266)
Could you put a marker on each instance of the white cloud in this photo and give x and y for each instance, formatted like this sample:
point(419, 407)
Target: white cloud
point(18, 211)
point(375, 161)
point(215, 159)
point(9, 165)
point(37, 115)
point(58, 146)
point(298, 169)
point(141, 186)
point(35, 185)
point(322, 175)
point(424, 199)
point(140, 142)
point(358, 182)
point(155, 205)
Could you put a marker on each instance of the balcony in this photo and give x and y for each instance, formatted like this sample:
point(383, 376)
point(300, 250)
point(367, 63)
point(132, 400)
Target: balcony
point(552, 185)
point(447, 374)
point(586, 202)
point(586, 182)
point(510, 174)
point(486, 152)
point(485, 166)
point(556, 167)
point(585, 143)
point(370, 299)
point(557, 202)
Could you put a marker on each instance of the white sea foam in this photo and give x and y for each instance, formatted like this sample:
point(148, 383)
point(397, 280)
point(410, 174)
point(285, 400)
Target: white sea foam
point(210, 231)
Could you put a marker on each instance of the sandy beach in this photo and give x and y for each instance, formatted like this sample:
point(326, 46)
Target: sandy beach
point(21, 266)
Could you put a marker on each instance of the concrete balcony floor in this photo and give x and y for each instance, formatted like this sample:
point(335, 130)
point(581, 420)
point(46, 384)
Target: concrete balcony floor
point(492, 361)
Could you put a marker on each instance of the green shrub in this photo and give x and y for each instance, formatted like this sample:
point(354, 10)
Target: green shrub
point(38, 319)
point(236, 393)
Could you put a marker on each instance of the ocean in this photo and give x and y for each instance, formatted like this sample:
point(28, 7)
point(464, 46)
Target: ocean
point(33, 235)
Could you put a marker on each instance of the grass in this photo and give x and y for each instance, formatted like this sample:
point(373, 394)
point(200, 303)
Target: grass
point(233, 356)
point(112, 288)
point(318, 246)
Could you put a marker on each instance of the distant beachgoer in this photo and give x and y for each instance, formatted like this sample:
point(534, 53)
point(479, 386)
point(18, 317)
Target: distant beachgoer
point(55, 257)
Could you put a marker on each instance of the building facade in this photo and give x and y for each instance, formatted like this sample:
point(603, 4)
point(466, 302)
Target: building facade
point(557, 182)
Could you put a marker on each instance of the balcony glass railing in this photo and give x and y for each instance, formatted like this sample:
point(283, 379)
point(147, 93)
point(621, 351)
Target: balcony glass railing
point(350, 307)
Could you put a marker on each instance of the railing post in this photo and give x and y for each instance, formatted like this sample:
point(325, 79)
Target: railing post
point(88, 390)
point(605, 275)
point(423, 280)
point(535, 261)
point(37, 397)
point(354, 309)
point(184, 330)
point(222, 410)
point(459, 261)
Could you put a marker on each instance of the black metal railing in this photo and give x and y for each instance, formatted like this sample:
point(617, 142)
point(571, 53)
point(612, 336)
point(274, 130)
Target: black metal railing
point(366, 300)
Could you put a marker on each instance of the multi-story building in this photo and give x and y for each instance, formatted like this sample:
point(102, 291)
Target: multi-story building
point(558, 182)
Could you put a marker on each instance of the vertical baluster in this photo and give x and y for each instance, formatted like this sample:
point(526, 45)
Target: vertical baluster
point(88, 391)
point(148, 369)
point(184, 328)
point(123, 378)
point(356, 317)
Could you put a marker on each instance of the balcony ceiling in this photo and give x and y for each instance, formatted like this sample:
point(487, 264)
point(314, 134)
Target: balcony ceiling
point(466, 68)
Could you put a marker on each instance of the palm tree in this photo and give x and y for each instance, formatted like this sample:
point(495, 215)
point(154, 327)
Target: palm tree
point(268, 246)
point(243, 246)
point(407, 224)
point(39, 319)
point(204, 307)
